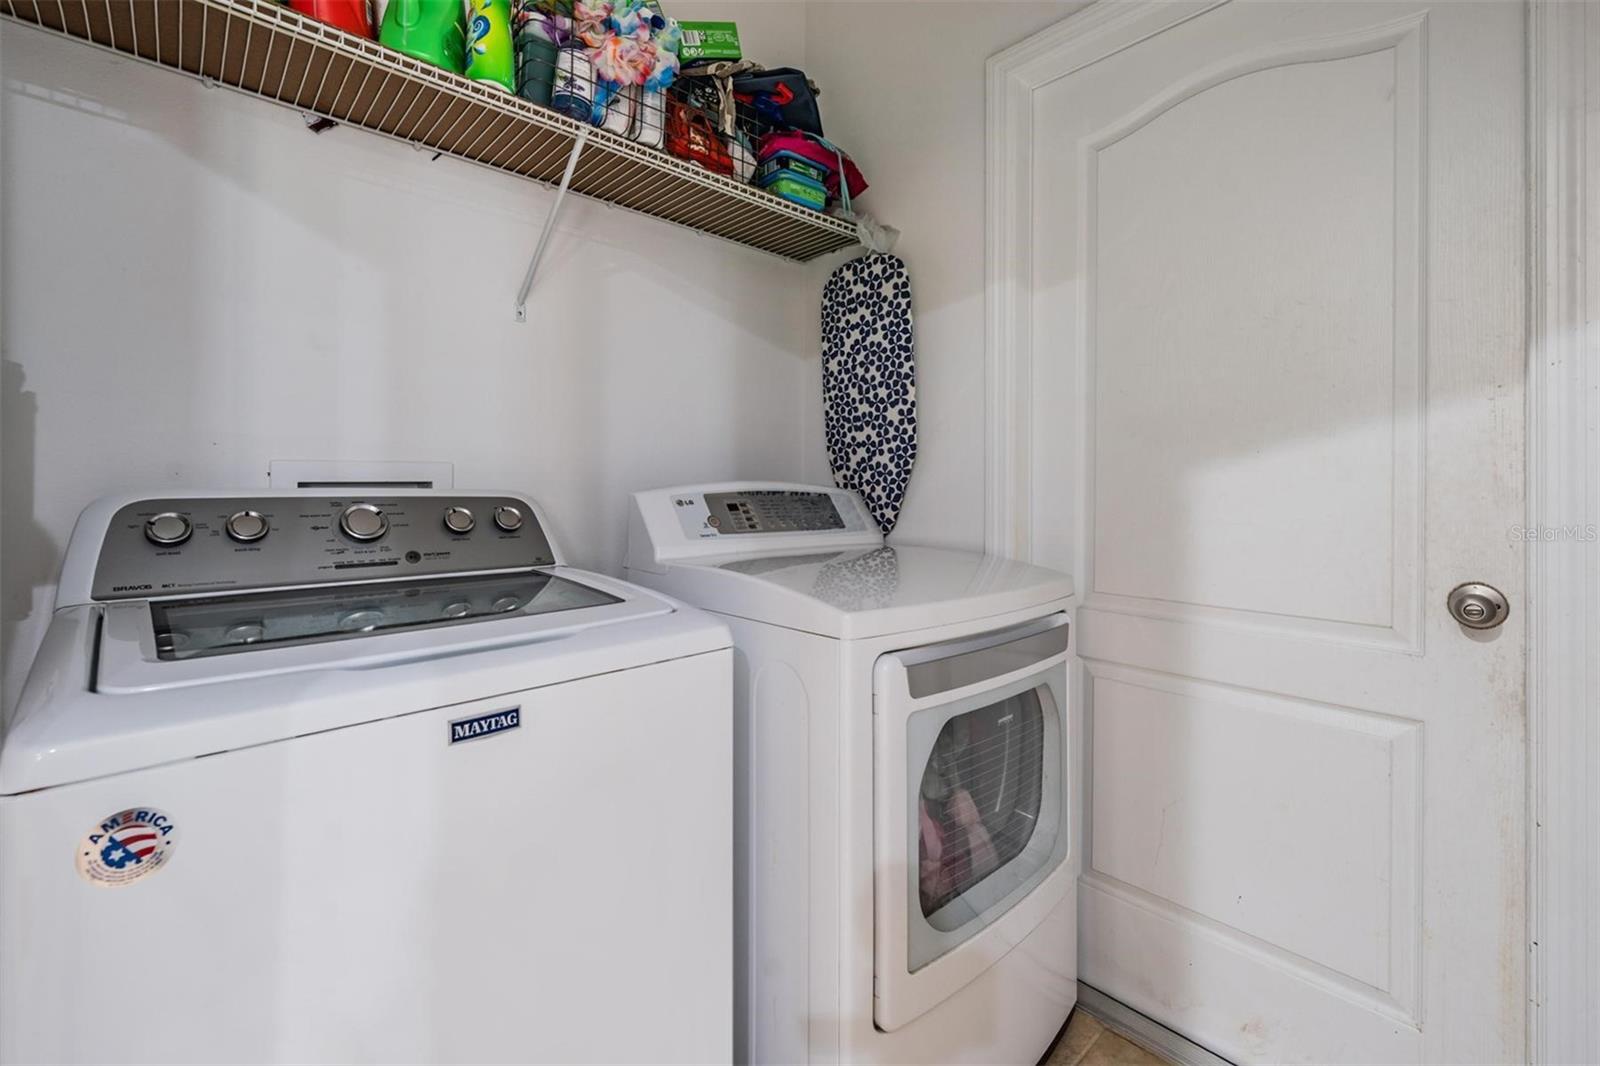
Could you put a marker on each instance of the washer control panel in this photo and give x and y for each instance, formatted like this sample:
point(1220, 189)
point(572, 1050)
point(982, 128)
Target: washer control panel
point(163, 547)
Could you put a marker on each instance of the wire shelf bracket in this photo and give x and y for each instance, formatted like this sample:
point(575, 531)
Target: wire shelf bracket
point(550, 223)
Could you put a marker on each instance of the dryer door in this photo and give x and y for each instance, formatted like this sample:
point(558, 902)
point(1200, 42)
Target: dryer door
point(972, 816)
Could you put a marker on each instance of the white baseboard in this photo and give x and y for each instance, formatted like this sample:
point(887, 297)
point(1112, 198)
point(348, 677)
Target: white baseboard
point(1146, 1032)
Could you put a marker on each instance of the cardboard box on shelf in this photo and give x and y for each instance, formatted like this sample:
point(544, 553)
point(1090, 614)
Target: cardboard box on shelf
point(709, 40)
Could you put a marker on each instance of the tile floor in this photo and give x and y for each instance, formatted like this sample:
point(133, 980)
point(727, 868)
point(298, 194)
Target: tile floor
point(1088, 1043)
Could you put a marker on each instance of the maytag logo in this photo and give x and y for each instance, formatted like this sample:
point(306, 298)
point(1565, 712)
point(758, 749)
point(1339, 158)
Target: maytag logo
point(485, 725)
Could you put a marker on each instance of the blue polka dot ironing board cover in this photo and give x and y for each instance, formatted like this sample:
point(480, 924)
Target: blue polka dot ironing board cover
point(869, 382)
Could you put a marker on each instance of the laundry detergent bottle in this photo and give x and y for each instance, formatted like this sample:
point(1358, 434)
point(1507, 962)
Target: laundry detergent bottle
point(433, 31)
point(349, 15)
point(489, 52)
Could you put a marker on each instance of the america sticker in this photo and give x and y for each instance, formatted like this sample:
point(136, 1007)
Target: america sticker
point(127, 847)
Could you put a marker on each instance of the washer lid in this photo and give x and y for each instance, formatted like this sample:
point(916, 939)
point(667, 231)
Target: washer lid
point(148, 645)
point(143, 711)
point(866, 592)
point(247, 622)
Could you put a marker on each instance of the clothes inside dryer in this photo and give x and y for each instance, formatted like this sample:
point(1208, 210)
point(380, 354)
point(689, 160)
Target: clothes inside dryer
point(979, 800)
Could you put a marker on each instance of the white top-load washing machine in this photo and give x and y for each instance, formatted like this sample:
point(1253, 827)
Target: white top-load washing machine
point(329, 777)
point(907, 793)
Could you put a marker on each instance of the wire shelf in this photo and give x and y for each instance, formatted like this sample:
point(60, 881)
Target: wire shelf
point(275, 53)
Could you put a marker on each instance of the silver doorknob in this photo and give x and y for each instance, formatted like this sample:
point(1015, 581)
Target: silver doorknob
point(1478, 606)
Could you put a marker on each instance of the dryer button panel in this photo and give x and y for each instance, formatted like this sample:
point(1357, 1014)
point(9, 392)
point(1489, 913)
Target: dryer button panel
point(163, 547)
point(767, 511)
point(772, 512)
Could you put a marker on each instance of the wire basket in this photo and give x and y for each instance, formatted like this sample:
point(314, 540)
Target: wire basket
point(693, 119)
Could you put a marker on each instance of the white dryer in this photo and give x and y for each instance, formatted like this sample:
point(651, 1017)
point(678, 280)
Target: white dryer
point(907, 791)
point(305, 777)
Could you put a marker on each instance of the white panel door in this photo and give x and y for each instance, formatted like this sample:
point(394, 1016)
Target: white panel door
point(1275, 318)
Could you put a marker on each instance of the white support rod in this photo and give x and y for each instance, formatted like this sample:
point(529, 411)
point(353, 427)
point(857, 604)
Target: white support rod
point(549, 224)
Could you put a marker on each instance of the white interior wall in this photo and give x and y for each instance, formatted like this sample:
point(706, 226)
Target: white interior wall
point(195, 285)
point(903, 92)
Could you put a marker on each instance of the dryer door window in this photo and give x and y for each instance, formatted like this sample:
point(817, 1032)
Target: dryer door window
point(987, 802)
point(978, 803)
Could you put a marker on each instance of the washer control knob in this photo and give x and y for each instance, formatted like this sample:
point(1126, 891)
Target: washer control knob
point(362, 521)
point(459, 520)
point(167, 529)
point(508, 518)
point(246, 527)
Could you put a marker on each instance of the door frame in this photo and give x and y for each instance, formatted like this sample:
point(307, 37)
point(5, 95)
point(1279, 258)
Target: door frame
point(1563, 453)
point(1563, 497)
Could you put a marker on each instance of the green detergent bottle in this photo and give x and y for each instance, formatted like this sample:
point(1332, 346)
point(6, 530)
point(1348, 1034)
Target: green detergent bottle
point(433, 31)
point(489, 52)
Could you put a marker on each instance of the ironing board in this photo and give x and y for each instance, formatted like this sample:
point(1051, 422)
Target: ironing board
point(869, 382)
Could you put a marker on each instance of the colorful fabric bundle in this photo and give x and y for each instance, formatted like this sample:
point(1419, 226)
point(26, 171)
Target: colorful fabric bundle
point(631, 43)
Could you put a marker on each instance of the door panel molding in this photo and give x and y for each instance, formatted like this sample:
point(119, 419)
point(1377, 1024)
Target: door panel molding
point(1316, 734)
point(1144, 907)
point(1402, 629)
point(1403, 35)
point(1123, 923)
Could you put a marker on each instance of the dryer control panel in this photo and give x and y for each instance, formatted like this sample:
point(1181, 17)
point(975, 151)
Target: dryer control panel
point(745, 518)
point(769, 511)
point(175, 546)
